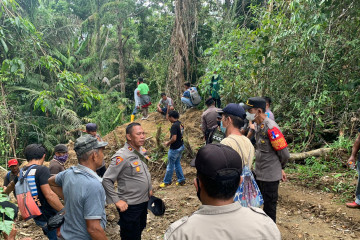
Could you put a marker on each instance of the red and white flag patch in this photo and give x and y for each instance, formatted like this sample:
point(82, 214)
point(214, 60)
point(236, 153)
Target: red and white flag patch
point(277, 139)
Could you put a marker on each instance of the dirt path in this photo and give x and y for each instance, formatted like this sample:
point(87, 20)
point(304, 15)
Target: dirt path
point(303, 213)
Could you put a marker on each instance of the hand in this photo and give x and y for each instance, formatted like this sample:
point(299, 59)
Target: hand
point(351, 162)
point(251, 125)
point(150, 193)
point(283, 176)
point(166, 144)
point(122, 205)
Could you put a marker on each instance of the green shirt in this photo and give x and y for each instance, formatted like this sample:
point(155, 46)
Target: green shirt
point(143, 88)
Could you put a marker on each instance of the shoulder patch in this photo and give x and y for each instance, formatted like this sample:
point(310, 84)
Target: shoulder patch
point(277, 139)
point(118, 160)
point(175, 226)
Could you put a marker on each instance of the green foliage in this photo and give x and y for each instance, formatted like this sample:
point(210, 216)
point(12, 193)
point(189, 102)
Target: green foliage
point(302, 54)
point(342, 143)
point(5, 225)
point(327, 175)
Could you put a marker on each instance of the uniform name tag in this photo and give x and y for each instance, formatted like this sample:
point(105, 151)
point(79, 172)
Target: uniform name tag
point(277, 139)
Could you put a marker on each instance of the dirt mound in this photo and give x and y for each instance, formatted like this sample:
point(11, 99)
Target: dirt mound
point(157, 128)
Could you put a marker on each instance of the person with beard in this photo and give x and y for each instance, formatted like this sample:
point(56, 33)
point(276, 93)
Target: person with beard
point(218, 170)
point(57, 164)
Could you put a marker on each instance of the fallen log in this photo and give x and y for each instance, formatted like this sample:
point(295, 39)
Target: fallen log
point(313, 153)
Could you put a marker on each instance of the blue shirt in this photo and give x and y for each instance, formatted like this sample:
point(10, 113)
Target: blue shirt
point(84, 200)
point(187, 92)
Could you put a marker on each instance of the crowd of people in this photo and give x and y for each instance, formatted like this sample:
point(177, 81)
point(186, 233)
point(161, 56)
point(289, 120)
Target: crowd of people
point(235, 136)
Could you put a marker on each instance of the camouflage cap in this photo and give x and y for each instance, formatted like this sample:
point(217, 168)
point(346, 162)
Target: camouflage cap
point(87, 143)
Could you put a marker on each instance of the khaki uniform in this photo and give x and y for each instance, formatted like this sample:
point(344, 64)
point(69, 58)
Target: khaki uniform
point(226, 222)
point(131, 174)
point(209, 119)
point(271, 151)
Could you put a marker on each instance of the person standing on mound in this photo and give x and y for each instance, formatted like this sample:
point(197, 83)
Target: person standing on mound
point(175, 152)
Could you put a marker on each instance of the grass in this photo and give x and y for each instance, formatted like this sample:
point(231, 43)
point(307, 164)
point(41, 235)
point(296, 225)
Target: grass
point(329, 175)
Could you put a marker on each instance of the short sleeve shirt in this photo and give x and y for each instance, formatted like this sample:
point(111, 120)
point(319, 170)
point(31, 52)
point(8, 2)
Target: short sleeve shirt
point(143, 88)
point(42, 175)
point(84, 200)
point(176, 129)
point(166, 103)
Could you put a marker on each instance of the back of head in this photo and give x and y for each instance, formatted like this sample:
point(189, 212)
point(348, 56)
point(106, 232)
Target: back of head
point(174, 114)
point(91, 127)
point(268, 100)
point(187, 84)
point(141, 80)
point(219, 168)
point(162, 94)
point(210, 101)
point(34, 152)
point(85, 145)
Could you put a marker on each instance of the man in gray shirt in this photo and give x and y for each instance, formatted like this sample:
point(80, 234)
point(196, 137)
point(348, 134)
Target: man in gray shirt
point(165, 105)
point(218, 169)
point(128, 168)
point(209, 119)
point(81, 189)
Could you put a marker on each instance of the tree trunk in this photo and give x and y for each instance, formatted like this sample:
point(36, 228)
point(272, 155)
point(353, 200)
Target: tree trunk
point(314, 153)
point(6, 121)
point(121, 57)
point(182, 39)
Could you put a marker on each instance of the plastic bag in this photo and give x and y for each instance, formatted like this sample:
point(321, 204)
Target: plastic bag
point(248, 193)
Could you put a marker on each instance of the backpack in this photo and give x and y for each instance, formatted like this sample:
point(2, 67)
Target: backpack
point(194, 96)
point(27, 205)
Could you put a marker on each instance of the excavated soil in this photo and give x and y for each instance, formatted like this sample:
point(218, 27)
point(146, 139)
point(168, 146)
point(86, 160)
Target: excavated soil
point(303, 213)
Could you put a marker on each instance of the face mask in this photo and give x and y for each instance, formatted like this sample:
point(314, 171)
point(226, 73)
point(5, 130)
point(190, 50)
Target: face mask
point(250, 116)
point(223, 129)
point(61, 158)
point(198, 191)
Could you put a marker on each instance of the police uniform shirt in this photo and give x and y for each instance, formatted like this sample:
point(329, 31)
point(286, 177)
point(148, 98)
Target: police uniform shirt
point(230, 221)
point(209, 118)
point(271, 151)
point(131, 174)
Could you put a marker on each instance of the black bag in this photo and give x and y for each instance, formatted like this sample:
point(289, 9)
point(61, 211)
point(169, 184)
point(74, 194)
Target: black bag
point(56, 221)
point(156, 206)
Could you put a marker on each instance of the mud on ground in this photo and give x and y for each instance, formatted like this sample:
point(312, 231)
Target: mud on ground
point(303, 213)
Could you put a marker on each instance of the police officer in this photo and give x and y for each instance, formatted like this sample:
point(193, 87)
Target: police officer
point(218, 176)
point(128, 167)
point(271, 153)
point(209, 119)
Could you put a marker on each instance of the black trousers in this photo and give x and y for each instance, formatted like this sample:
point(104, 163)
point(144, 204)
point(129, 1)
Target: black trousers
point(270, 193)
point(133, 221)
